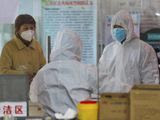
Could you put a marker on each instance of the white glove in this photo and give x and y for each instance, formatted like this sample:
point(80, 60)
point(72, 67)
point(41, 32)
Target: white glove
point(69, 114)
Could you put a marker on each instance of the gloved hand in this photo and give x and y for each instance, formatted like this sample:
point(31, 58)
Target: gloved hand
point(69, 114)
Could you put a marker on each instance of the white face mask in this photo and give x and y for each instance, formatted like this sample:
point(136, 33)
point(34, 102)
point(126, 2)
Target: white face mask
point(27, 35)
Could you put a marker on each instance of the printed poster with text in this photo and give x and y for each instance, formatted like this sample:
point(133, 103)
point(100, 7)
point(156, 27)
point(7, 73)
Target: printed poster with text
point(78, 15)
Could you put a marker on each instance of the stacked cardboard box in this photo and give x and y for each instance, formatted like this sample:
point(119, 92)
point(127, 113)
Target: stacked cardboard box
point(35, 110)
point(145, 102)
point(114, 106)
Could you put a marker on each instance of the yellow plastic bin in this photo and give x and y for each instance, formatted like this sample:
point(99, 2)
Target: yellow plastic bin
point(87, 110)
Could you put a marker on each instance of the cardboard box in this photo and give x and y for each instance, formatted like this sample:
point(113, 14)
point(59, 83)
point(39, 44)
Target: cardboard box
point(114, 106)
point(145, 102)
point(36, 110)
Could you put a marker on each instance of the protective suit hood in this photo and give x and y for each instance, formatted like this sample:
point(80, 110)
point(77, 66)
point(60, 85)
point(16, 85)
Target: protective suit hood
point(67, 46)
point(61, 84)
point(123, 18)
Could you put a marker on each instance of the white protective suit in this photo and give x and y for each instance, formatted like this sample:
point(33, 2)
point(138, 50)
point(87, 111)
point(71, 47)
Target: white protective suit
point(65, 81)
point(123, 65)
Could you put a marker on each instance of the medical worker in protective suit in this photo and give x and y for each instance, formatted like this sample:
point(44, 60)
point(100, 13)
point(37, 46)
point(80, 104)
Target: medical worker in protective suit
point(127, 60)
point(65, 81)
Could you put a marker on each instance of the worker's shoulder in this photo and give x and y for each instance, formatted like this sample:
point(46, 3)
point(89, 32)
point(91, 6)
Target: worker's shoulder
point(146, 47)
point(37, 44)
point(10, 44)
point(109, 46)
point(145, 44)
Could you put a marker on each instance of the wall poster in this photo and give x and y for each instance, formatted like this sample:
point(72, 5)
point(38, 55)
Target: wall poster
point(80, 16)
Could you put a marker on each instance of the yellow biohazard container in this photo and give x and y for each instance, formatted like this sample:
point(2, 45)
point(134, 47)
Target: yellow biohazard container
point(87, 110)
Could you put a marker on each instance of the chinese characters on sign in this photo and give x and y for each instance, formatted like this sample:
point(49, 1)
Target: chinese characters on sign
point(17, 109)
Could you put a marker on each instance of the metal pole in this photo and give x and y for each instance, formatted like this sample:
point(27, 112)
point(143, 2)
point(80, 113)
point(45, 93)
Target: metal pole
point(49, 47)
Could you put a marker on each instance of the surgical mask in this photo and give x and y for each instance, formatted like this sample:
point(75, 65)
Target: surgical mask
point(27, 35)
point(119, 34)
